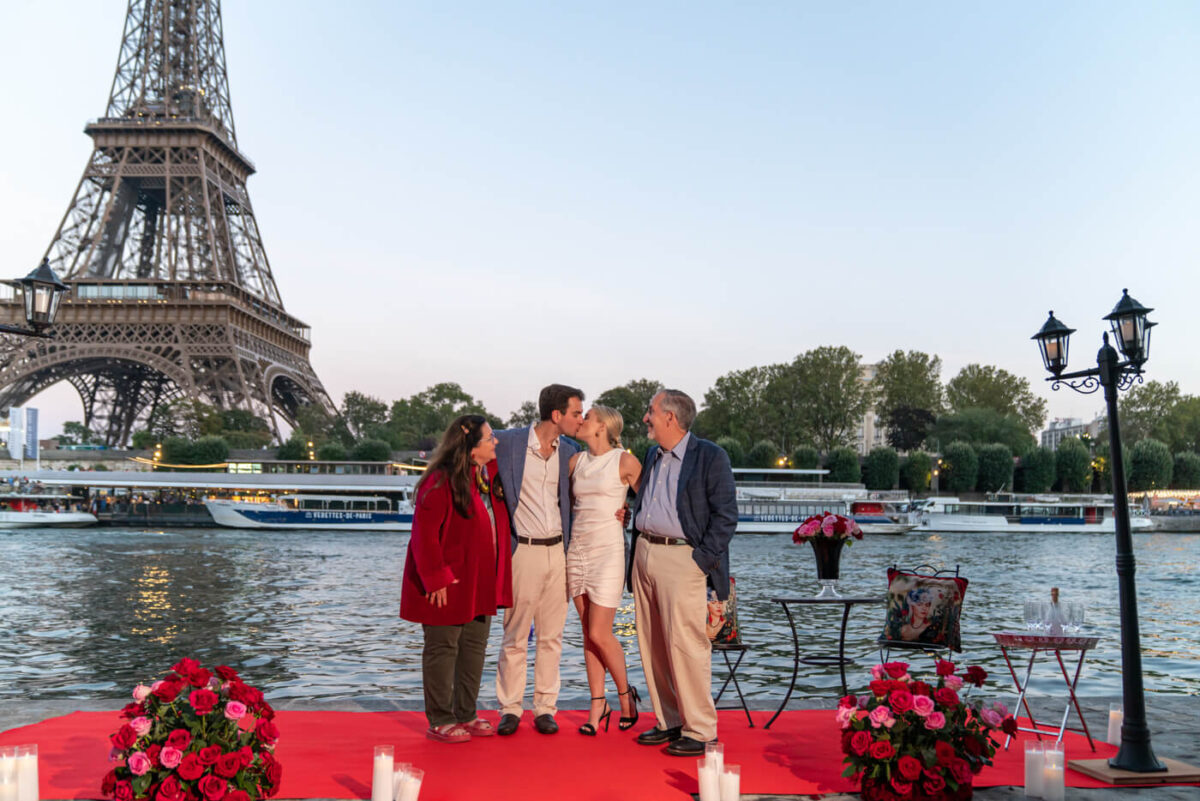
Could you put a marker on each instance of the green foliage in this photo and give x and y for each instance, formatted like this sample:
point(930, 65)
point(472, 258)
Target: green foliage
point(733, 447)
point(210, 450)
point(638, 446)
point(143, 440)
point(826, 394)
point(1039, 469)
point(1186, 474)
point(911, 380)
point(995, 468)
point(191, 419)
point(631, 400)
point(332, 451)
point(735, 406)
point(525, 415)
point(1150, 465)
point(315, 424)
point(960, 466)
point(1073, 464)
point(1160, 411)
point(806, 457)
point(360, 412)
point(99, 467)
point(843, 466)
point(908, 428)
point(294, 449)
point(988, 387)
point(881, 470)
point(178, 450)
point(76, 433)
point(764, 454)
point(371, 450)
point(916, 472)
point(419, 422)
point(980, 426)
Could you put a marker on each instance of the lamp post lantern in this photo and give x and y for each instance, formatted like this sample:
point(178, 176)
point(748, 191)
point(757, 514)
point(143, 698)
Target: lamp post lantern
point(1131, 330)
point(41, 294)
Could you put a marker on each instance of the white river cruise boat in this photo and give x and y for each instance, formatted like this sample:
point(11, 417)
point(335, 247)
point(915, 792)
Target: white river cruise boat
point(25, 510)
point(1019, 513)
point(333, 512)
point(777, 501)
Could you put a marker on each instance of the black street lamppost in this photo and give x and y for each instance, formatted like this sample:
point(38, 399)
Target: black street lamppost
point(1131, 330)
point(42, 292)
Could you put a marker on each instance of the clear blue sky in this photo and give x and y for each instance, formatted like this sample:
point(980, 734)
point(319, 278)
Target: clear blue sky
point(508, 194)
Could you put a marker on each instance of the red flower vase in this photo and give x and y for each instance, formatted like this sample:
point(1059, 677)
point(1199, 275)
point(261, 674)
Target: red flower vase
point(874, 790)
point(828, 551)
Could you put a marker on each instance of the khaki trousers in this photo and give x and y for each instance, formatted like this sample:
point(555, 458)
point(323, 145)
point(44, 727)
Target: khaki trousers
point(671, 593)
point(539, 598)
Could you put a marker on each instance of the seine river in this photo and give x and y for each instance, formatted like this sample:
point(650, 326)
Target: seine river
point(312, 615)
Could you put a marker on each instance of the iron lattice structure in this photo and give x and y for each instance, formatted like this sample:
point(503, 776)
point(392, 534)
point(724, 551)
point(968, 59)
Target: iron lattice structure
point(172, 294)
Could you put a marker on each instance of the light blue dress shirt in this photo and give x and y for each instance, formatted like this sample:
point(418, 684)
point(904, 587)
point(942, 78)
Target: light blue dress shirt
point(659, 514)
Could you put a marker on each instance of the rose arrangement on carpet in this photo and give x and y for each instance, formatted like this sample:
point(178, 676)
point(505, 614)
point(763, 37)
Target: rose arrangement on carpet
point(910, 740)
point(828, 533)
point(195, 734)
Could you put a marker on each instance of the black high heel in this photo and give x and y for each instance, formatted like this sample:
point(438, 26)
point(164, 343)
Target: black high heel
point(629, 722)
point(590, 730)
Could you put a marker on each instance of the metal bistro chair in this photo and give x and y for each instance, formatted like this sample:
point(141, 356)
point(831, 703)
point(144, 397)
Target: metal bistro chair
point(940, 594)
point(728, 640)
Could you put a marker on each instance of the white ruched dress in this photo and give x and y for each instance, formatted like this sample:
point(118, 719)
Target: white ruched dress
point(596, 556)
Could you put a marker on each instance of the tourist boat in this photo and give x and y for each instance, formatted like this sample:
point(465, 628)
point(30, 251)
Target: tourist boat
point(23, 510)
point(339, 512)
point(1019, 513)
point(777, 501)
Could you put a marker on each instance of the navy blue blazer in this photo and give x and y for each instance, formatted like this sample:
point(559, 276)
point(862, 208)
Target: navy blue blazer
point(511, 450)
point(707, 505)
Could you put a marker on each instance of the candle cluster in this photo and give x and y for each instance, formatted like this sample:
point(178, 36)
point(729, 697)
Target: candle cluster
point(391, 781)
point(718, 781)
point(1044, 771)
point(19, 773)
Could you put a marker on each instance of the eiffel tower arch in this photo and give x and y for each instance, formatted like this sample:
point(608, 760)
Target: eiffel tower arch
point(172, 294)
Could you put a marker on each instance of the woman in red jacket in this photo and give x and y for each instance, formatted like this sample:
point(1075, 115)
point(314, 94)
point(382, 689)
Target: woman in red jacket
point(455, 576)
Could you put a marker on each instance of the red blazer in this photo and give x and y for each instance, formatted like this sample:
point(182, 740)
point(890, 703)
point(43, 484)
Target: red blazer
point(445, 546)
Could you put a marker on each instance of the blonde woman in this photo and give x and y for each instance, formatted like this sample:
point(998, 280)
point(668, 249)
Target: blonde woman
point(600, 479)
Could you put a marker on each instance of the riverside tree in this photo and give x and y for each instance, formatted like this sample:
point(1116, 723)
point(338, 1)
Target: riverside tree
point(1039, 470)
point(960, 465)
point(1150, 465)
point(995, 467)
point(916, 471)
point(980, 426)
point(1186, 474)
point(909, 396)
point(631, 399)
point(420, 421)
point(843, 466)
point(830, 396)
point(989, 387)
point(1073, 463)
point(881, 469)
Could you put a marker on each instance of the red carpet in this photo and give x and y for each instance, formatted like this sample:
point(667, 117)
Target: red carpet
point(328, 755)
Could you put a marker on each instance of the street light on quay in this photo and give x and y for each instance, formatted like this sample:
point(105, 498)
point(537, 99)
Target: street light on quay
point(1131, 330)
point(41, 294)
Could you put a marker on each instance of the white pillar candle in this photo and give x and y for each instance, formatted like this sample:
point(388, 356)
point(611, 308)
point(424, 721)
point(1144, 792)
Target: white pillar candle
point(8, 775)
point(399, 771)
point(1034, 765)
point(1116, 718)
point(410, 790)
point(710, 781)
point(381, 774)
point(1053, 787)
point(715, 754)
point(27, 773)
point(731, 784)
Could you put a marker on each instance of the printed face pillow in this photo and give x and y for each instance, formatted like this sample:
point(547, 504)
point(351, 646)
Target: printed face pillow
point(924, 609)
point(722, 617)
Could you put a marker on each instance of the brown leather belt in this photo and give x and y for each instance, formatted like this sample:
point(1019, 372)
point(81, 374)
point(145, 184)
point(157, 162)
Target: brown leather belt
point(663, 540)
point(546, 541)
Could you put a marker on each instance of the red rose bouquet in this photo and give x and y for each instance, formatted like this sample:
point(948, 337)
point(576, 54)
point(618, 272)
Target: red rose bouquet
point(909, 741)
point(195, 736)
point(827, 526)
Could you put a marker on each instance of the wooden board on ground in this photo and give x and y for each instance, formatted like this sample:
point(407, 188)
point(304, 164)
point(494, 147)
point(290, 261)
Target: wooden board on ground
point(1176, 772)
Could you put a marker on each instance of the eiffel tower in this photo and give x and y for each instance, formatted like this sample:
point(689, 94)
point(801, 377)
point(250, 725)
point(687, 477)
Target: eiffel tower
point(171, 292)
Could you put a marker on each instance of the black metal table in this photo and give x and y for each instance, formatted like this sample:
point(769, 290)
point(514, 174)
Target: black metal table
point(847, 601)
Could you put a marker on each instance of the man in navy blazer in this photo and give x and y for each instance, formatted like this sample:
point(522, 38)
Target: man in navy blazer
point(684, 518)
point(534, 471)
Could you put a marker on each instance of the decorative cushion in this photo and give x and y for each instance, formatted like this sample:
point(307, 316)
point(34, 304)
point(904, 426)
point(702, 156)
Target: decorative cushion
point(722, 618)
point(924, 609)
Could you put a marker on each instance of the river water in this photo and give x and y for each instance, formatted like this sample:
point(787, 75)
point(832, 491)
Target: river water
point(86, 614)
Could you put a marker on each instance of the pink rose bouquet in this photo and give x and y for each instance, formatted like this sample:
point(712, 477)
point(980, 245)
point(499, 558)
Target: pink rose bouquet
point(195, 735)
point(827, 526)
point(908, 740)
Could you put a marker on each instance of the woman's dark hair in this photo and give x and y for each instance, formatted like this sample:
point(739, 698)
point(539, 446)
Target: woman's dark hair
point(451, 461)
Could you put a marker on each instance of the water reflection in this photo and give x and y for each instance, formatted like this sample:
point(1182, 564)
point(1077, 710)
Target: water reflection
point(89, 613)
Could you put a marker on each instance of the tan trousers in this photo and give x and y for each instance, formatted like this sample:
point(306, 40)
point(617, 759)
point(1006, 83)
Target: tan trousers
point(671, 593)
point(539, 598)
